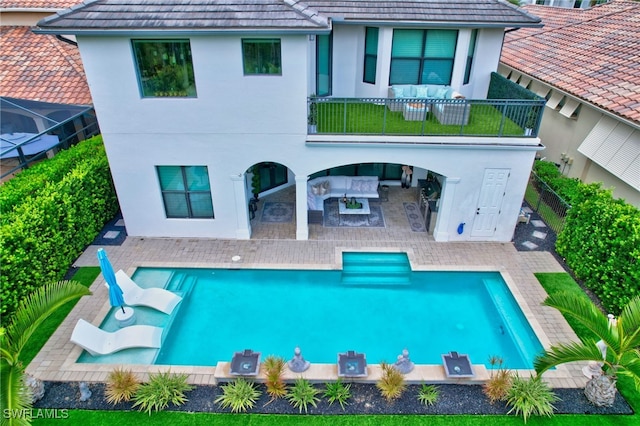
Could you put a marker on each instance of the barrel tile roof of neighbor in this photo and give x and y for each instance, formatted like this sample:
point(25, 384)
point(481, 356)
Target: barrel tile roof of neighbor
point(592, 54)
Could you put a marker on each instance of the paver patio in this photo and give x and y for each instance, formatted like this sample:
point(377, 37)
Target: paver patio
point(273, 246)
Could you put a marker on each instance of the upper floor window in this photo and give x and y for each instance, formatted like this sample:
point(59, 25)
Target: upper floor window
point(164, 68)
point(324, 47)
point(470, 54)
point(370, 55)
point(261, 56)
point(185, 191)
point(422, 56)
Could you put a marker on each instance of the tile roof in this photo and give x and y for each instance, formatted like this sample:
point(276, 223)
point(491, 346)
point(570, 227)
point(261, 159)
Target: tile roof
point(278, 14)
point(38, 4)
point(40, 68)
point(446, 11)
point(187, 15)
point(592, 54)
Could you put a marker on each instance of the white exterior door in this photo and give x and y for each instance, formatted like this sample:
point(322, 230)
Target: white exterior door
point(490, 201)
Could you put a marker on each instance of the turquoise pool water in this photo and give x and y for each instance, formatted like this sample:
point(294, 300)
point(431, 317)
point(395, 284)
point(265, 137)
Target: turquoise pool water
point(374, 306)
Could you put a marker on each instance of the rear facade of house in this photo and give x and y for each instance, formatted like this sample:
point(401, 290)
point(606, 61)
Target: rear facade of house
point(194, 97)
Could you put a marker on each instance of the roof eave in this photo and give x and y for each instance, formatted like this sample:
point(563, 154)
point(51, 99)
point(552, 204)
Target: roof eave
point(157, 32)
point(439, 24)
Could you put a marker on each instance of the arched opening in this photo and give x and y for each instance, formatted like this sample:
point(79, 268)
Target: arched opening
point(271, 200)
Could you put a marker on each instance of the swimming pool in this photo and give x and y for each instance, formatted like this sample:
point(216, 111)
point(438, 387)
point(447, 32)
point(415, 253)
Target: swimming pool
point(372, 307)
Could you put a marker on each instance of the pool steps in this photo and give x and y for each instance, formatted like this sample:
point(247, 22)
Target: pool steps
point(501, 298)
point(364, 268)
point(181, 284)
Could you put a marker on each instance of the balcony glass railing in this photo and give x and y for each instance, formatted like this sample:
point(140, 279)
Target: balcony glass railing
point(425, 117)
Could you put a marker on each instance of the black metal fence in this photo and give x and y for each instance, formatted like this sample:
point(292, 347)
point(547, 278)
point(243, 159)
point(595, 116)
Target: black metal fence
point(546, 202)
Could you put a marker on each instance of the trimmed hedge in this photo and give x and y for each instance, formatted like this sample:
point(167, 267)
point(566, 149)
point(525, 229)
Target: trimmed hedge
point(503, 88)
point(33, 179)
point(600, 241)
point(49, 225)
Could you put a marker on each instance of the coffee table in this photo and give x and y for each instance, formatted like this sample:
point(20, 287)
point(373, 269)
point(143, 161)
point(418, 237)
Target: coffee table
point(342, 207)
point(344, 211)
point(415, 111)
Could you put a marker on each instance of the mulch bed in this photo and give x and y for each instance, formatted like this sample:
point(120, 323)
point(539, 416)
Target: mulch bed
point(366, 399)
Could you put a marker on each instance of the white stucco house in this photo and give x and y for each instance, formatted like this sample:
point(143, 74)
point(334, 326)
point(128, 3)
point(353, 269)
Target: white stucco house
point(191, 95)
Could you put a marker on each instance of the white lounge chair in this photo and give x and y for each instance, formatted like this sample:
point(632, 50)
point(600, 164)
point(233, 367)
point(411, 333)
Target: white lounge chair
point(99, 342)
point(156, 298)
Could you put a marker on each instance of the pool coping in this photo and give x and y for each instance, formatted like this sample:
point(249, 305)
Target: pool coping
point(62, 366)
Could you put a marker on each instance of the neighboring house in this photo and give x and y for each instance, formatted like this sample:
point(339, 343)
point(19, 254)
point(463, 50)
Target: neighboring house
point(578, 4)
point(42, 81)
point(39, 67)
point(192, 96)
point(587, 64)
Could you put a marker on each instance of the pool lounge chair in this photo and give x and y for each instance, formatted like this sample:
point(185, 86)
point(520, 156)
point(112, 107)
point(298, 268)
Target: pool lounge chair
point(156, 298)
point(99, 342)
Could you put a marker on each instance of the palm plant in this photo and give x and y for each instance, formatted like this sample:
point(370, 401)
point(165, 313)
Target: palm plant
point(391, 384)
point(302, 394)
point(274, 368)
point(31, 312)
point(622, 340)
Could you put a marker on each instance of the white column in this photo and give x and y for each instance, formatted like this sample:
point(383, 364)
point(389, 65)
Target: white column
point(302, 220)
point(243, 230)
point(441, 232)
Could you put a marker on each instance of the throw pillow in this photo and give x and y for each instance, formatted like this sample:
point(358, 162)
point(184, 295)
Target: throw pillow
point(442, 92)
point(356, 185)
point(422, 92)
point(315, 189)
point(398, 92)
point(325, 187)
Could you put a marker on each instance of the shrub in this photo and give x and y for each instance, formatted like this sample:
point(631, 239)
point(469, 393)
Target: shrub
point(499, 382)
point(530, 396)
point(47, 228)
point(274, 367)
point(29, 182)
point(600, 239)
point(428, 394)
point(302, 393)
point(163, 388)
point(601, 244)
point(337, 391)
point(121, 385)
point(391, 384)
point(240, 395)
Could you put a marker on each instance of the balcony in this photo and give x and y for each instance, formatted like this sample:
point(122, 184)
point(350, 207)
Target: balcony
point(425, 117)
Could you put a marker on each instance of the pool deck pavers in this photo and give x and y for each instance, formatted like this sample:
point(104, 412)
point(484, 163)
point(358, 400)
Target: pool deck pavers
point(275, 247)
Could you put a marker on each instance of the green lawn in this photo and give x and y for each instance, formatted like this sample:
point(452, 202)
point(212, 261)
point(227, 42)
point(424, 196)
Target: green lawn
point(85, 276)
point(552, 282)
point(368, 118)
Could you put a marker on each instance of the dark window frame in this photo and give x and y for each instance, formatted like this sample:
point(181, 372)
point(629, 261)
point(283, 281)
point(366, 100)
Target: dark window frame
point(424, 59)
point(186, 193)
point(262, 62)
point(154, 79)
point(370, 56)
point(330, 59)
point(471, 53)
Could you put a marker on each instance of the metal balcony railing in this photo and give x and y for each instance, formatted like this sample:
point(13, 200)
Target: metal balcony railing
point(425, 117)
